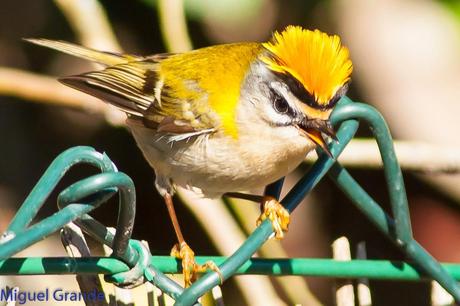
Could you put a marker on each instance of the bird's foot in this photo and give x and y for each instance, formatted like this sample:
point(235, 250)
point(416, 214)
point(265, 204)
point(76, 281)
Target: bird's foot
point(276, 213)
point(190, 268)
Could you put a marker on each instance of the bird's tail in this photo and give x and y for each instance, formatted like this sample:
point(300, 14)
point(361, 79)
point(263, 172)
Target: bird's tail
point(123, 83)
point(101, 57)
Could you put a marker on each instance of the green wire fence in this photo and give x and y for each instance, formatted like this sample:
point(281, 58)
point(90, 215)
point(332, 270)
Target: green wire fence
point(131, 262)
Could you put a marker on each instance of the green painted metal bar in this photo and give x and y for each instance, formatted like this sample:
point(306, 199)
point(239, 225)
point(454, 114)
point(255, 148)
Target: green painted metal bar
point(399, 230)
point(372, 269)
point(375, 213)
point(101, 234)
point(145, 271)
point(101, 184)
point(61, 265)
point(24, 236)
point(392, 170)
point(44, 228)
point(49, 180)
point(94, 191)
point(164, 283)
point(126, 211)
point(265, 230)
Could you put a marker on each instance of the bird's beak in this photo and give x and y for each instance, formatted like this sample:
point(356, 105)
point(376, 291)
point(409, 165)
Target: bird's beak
point(315, 128)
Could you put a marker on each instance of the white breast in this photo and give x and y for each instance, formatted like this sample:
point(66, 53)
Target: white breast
point(216, 163)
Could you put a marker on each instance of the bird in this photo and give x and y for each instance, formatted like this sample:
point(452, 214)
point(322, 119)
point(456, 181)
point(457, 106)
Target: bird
point(224, 118)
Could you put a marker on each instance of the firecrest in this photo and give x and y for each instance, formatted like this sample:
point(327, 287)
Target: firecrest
point(224, 118)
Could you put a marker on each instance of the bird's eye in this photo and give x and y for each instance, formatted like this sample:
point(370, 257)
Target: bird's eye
point(280, 104)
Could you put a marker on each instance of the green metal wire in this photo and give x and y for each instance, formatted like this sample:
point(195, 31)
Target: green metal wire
point(372, 269)
point(131, 261)
point(105, 183)
point(399, 230)
point(392, 170)
point(95, 190)
point(49, 180)
point(19, 235)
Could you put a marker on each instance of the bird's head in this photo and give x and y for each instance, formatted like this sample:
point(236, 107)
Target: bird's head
point(309, 71)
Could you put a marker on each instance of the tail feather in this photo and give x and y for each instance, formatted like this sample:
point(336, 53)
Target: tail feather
point(101, 57)
point(112, 95)
point(127, 81)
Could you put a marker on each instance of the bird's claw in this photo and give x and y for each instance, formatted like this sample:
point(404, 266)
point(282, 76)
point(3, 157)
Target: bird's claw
point(190, 268)
point(277, 214)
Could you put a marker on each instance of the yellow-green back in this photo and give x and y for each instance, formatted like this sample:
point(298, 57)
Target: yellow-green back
point(210, 77)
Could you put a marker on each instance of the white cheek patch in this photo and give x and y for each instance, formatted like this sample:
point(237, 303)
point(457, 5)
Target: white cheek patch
point(275, 117)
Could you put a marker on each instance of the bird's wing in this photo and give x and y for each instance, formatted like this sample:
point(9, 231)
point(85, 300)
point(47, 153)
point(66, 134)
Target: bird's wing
point(138, 89)
point(128, 86)
point(135, 85)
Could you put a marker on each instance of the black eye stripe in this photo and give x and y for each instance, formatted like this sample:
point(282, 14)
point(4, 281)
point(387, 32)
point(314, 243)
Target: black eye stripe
point(299, 91)
point(338, 95)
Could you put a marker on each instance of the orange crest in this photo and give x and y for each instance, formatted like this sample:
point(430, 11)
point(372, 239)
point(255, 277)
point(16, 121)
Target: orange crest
point(315, 59)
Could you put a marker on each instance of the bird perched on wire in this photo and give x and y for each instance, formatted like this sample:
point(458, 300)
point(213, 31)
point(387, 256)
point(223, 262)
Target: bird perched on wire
point(224, 118)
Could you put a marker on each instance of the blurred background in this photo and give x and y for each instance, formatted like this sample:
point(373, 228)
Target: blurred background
point(406, 57)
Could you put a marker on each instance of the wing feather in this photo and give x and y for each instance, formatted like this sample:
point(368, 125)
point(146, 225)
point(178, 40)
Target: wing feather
point(136, 85)
point(121, 85)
